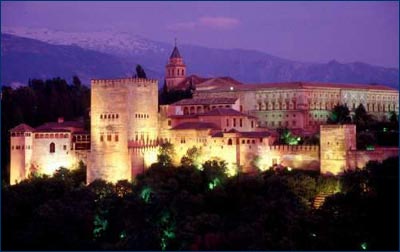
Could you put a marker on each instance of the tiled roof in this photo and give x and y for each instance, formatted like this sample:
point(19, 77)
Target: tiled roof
point(22, 128)
point(255, 134)
point(55, 126)
point(175, 53)
point(206, 101)
point(223, 112)
point(248, 134)
point(206, 83)
point(183, 116)
point(195, 125)
point(301, 85)
point(51, 130)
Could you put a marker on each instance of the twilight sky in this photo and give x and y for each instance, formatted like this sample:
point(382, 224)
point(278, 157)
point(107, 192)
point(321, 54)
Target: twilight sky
point(304, 31)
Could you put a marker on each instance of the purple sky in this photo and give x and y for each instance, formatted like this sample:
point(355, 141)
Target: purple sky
point(304, 31)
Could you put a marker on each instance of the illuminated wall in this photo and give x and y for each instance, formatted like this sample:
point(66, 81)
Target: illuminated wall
point(20, 156)
point(46, 160)
point(108, 158)
point(335, 142)
point(299, 105)
point(123, 112)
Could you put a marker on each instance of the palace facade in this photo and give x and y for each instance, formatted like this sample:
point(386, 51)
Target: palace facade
point(225, 120)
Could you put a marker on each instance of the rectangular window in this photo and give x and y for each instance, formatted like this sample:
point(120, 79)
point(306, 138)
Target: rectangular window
point(240, 122)
point(109, 138)
point(101, 138)
point(169, 122)
point(64, 147)
point(234, 122)
point(116, 138)
point(227, 122)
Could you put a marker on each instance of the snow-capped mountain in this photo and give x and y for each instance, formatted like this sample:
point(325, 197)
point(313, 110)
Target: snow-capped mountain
point(117, 43)
point(120, 52)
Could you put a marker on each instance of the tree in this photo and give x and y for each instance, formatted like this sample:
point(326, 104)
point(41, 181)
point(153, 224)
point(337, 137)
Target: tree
point(76, 81)
point(339, 115)
point(140, 73)
point(166, 154)
point(361, 118)
point(192, 157)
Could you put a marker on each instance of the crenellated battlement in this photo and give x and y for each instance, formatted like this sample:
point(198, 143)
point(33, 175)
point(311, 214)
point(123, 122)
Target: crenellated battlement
point(293, 147)
point(123, 81)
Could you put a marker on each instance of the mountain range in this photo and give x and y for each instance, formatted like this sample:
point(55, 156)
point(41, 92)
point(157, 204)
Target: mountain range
point(42, 53)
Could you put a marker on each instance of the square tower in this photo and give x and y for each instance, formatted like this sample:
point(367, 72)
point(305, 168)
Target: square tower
point(335, 142)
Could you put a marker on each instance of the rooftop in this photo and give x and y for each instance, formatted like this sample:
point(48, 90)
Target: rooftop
point(302, 85)
point(206, 101)
point(175, 53)
point(62, 126)
point(22, 128)
point(223, 112)
point(195, 125)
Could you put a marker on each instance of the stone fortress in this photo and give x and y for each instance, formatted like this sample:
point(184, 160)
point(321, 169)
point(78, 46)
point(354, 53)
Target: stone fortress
point(225, 120)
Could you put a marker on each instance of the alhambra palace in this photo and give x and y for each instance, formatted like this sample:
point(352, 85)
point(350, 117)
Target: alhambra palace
point(225, 120)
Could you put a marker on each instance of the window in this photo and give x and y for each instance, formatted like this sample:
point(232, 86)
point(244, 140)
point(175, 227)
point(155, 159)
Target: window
point(109, 138)
point(64, 147)
point(227, 122)
point(101, 138)
point(101, 116)
point(52, 148)
point(12, 147)
point(116, 138)
point(230, 141)
point(234, 122)
point(241, 122)
point(252, 124)
point(169, 122)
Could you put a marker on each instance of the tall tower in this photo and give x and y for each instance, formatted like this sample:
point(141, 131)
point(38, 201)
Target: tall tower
point(335, 143)
point(21, 152)
point(175, 70)
point(123, 114)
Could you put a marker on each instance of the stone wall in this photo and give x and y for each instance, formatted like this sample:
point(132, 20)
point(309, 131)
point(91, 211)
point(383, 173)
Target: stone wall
point(358, 159)
point(335, 142)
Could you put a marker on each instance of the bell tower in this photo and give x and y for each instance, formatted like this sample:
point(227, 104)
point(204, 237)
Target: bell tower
point(175, 70)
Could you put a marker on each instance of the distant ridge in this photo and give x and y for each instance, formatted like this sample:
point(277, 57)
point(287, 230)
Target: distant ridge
point(91, 56)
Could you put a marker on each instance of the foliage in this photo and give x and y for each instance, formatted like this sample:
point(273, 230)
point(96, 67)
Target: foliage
point(140, 73)
point(39, 102)
point(170, 96)
point(340, 115)
point(166, 154)
point(184, 208)
point(192, 157)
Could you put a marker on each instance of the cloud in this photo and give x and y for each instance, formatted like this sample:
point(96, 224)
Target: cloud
point(219, 22)
point(216, 23)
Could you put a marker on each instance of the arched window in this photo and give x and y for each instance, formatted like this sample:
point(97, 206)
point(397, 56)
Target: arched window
point(230, 141)
point(52, 148)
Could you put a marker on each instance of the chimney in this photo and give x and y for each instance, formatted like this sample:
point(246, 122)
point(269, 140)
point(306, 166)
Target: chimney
point(60, 120)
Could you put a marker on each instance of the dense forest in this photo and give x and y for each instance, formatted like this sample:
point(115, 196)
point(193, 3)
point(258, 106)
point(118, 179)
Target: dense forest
point(37, 103)
point(199, 208)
